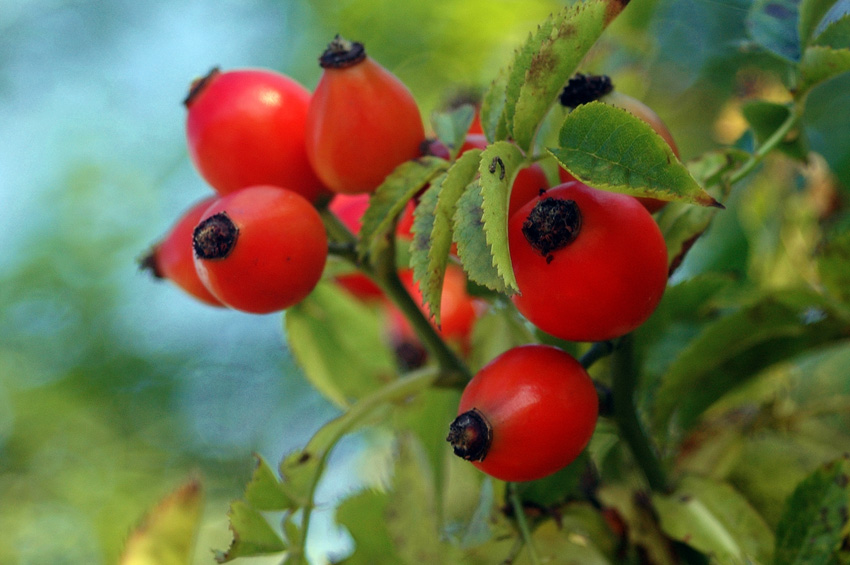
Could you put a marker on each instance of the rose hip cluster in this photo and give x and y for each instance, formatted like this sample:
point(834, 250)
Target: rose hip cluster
point(590, 265)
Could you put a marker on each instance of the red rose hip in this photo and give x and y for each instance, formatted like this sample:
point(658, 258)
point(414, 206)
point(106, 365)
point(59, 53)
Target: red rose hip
point(590, 265)
point(260, 249)
point(525, 415)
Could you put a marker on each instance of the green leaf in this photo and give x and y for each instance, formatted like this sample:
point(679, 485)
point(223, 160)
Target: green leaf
point(343, 365)
point(773, 25)
point(716, 520)
point(836, 35)
point(493, 120)
point(550, 59)
point(264, 492)
point(558, 488)
point(364, 516)
point(389, 201)
point(682, 224)
point(428, 274)
point(498, 330)
point(820, 64)
point(252, 534)
point(432, 228)
point(682, 313)
point(427, 417)
point(608, 148)
point(766, 117)
point(167, 534)
point(811, 14)
point(411, 513)
point(814, 526)
point(641, 523)
point(300, 470)
point(834, 264)
point(451, 127)
point(499, 165)
point(734, 348)
point(472, 246)
point(519, 66)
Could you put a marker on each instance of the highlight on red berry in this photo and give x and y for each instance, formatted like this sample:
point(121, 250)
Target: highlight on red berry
point(363, 121)
point(525, 415)
point(172, 257)
point(246, 127)
point(590, 265)
point(261, 249)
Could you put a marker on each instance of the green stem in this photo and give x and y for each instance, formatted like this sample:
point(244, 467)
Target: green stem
point(524, 530)
point(769, 144)
point(328, 436)
point(625, 414)
point(599, 350)
point(382, 269)
point(454, 373)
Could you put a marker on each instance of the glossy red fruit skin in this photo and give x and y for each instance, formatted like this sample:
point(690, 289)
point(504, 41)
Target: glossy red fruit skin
point(647, 114)
point(172, 257)
point(603, 284)
point(278, 257)
point(528, 183)
point(542, 407)
point(246, 127)
point(349, 208)
point(362, 123)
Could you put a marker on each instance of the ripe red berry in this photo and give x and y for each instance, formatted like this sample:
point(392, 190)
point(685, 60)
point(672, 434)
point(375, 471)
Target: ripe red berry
point(590, 265)
point(260, 249)
point(527, 414)
point(363, 121)
point(246, 128)
point(172, 257)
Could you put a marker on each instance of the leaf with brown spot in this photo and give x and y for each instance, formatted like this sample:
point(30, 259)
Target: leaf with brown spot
point(557, 49)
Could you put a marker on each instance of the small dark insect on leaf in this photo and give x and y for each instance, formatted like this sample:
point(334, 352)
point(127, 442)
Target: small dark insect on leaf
point(498, 160)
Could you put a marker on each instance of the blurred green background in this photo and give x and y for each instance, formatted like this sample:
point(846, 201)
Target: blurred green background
point(115, 388)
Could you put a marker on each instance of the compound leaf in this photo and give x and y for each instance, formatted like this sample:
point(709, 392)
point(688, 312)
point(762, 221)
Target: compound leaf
point(499, 165)
point(609, 148)
point(432, 228)
point(389, 200)
point(558, 48)
point(252, 534)
point(820, 64)
point(472, 246)
point(341, 364)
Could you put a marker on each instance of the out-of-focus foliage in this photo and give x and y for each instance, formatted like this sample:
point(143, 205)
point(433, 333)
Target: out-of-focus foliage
point(114, 389)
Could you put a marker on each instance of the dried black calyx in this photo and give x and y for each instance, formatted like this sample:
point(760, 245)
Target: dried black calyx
point(148, 262)
point(581, 89)
point(342, 53)
point(198, 86)
point(471, 435)
point(215, 237)
point(552, 224)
